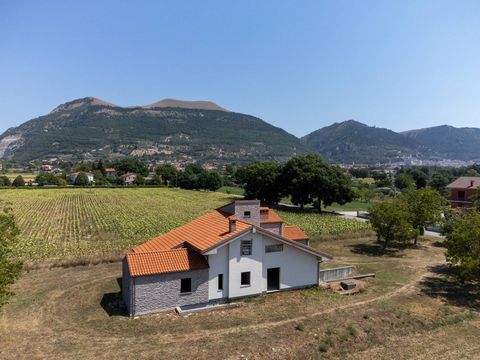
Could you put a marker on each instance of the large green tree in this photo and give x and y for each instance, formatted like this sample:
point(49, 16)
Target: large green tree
point(300, 176)
point(424, 207)
point(309, 179)
point(463, 245)
point(390, 221)
point(332, 184)
point(18, 181)
point(168, 174)
point(210, 180)
point(261, 180)
point(9, 267)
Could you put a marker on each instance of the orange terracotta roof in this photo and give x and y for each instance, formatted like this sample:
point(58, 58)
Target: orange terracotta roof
point(272, 216)
point(201, 233)
point(294, 233)
point(184, 259)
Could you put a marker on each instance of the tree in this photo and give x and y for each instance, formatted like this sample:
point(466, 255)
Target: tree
point(210, 180)
point(9, 267)
point(261, 180)
point(99, 178)
point(439, 181)
point(299, 177)
point(390, 221)
point(126, 165)
point(404, 182)
point(81, 179)
point(331, 184)
point(156, 180)
point(18, 181)
point(5, 181)
point(463, 245)
point(418, 176)
point(425, 207)
point(168, 174)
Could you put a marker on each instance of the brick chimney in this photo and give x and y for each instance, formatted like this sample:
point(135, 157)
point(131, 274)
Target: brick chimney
point(232, 225)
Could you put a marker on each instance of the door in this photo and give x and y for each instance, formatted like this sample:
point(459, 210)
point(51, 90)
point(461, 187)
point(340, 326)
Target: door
point(273, 279)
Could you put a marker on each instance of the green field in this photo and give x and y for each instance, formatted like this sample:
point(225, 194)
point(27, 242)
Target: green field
point(55, 223)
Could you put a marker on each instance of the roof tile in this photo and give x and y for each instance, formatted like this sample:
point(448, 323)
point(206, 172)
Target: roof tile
point(174, 260)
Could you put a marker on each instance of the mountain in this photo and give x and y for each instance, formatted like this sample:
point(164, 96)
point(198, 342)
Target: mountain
point(173, 103)
point(90, 128)
point(449, 142)
point(351, 141)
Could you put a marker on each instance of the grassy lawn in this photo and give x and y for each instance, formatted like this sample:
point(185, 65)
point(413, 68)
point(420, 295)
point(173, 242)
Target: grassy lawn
point(233, 190)
point(74, 313)
point(73, 222)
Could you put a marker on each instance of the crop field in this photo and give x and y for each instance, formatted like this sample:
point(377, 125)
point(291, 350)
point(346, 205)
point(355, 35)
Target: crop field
point(325, 224)
point(411, 310)
point(56, 223)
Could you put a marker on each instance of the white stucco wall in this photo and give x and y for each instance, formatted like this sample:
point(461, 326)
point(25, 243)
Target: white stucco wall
point(218, 265)
point(297, 268)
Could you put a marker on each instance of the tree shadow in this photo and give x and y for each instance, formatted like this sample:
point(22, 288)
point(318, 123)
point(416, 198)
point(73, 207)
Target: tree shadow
point(444, 286)
point(376, 249)
point(113, 303)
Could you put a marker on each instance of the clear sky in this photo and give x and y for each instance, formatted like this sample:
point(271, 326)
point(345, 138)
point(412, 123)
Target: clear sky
point(300, 65)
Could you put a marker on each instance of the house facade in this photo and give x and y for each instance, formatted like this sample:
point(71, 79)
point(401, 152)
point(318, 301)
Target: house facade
point(73, 177)
point(463, 191)
point(238, 250)
point(129, 178)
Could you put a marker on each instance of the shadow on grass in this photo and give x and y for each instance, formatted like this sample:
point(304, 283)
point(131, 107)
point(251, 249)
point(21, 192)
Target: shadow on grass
point(376, 249)
point(113, 303)
point(444, 286)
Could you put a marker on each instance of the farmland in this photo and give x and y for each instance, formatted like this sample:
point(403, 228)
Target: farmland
point(57, 223)
point(411, 309)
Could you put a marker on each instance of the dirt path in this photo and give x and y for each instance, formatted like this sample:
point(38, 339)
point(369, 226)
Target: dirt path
point(255, 327)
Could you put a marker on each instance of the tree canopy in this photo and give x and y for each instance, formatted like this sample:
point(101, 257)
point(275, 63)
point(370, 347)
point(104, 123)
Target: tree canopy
point(9, 267)
point(390, 221)
point(261, 180)
point(463, 245)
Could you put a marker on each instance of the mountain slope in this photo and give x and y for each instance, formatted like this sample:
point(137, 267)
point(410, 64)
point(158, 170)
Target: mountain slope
point(352, 141)
point(173, 103)
point(90, 128)
point(449, 142)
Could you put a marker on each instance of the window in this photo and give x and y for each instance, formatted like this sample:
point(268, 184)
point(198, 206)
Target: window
point(186, 285)
point(246, 214)
point(245, 279)
point(220, 281)
point(246, 247)
point(461, 194)
point(273, 248)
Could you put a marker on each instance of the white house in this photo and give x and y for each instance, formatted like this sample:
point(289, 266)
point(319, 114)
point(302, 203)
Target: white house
point(73, 176)
point(238, 250)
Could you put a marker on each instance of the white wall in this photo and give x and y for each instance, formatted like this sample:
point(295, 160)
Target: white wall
point(218, 265)
point(239, 264)
point(297, 268)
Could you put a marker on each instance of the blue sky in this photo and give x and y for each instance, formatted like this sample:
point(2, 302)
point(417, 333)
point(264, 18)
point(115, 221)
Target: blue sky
point(299, 65)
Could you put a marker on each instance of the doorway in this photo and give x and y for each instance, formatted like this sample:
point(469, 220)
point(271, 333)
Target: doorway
point(273, 279)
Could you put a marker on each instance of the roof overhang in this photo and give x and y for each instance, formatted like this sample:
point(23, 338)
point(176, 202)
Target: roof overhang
point(253, 229)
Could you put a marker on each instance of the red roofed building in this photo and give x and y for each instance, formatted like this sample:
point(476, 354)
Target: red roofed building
point(463, 190)
point(240, 249)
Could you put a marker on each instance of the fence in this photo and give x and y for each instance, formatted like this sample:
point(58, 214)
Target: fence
point(339, 273)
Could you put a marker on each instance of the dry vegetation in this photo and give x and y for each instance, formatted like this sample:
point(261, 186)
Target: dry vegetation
point(410, 310)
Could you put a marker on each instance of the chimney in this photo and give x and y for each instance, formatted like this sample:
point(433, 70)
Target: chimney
point(232, 225)
point(471, 183)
